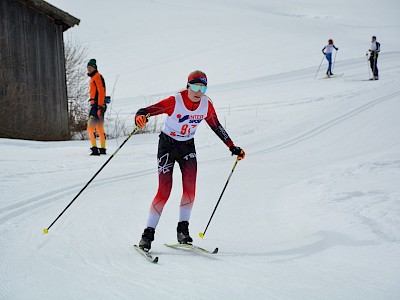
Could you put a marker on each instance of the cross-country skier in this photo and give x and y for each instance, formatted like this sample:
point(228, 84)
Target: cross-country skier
point(373, 57)
point(97, 108)
point(185, 111)
point(327, 51)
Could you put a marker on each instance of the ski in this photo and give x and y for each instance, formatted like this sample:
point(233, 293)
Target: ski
point(146, 254)
point(192, 247)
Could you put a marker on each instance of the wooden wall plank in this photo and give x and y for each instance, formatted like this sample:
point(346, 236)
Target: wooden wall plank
point(34, 42)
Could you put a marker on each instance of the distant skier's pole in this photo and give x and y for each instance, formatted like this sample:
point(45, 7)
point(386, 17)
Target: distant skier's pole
point(333, 65)
point(319, 67)
point(201, 234)
point(46, 230)
point(369, 73)
point(112, 96)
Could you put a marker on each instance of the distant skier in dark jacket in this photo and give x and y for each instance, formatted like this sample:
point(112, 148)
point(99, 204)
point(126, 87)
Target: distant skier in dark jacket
point(373, 57)
point(185, 111)
point(327, 51)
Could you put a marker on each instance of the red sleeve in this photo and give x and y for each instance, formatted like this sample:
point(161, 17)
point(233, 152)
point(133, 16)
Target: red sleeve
point(212, 120)
point(165, 106)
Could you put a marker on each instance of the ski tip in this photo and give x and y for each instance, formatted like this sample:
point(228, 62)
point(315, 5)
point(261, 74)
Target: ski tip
point(146, 254)
point(201, 235)
point(215, 251)
point(45, 231)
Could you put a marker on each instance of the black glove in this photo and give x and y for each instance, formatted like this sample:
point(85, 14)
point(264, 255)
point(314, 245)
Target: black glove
point(237, 151)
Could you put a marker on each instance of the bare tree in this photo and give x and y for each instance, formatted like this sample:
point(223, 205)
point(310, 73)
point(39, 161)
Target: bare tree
point(77, 86)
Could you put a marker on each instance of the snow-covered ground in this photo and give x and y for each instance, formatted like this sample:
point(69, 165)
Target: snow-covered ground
point(312, 212)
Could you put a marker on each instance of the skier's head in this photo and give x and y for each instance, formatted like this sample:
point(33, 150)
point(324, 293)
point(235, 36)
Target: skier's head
point(330, 42)
point(91, 66)
point(196, 85)
point(92, 63)
point(373, 38)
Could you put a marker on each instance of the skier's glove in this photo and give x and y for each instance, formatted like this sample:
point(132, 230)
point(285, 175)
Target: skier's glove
point(100, 112)
point(141, 120)
point(237, 151)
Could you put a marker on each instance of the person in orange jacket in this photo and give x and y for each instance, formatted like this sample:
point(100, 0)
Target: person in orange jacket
point(97, 108)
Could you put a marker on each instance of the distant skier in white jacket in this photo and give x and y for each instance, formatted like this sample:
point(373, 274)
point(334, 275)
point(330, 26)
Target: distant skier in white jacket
point(327, 51)
point(373, 57)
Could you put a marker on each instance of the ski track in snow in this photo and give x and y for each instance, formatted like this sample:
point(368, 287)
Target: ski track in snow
point(329, 124)
point(23, 206)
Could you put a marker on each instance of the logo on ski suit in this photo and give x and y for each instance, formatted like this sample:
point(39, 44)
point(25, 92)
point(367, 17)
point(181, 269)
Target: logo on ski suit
point(192, 118)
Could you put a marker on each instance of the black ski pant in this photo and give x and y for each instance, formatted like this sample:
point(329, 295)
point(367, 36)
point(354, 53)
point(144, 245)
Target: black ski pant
point(169, 152)
point(373, 61)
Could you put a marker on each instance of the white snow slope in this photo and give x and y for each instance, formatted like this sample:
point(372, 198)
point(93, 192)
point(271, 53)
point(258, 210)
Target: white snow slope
point(312, 212)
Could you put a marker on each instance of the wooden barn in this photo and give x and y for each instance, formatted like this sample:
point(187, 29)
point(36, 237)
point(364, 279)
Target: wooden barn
point(33, 93)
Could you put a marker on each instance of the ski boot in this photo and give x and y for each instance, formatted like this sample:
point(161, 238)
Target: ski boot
point(183, 233)
point(102, 151)
point(95, 151)
point(147, 238)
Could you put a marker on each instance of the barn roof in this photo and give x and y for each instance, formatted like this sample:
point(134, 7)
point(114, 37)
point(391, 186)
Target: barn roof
point(60, 17)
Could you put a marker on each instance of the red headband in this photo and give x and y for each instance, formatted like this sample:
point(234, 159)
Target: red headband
point(198, 78)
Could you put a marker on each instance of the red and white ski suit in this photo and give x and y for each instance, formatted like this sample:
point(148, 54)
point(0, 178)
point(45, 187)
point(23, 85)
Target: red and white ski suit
point(176, 144)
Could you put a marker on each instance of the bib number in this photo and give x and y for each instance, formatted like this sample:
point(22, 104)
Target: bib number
point(185, 129)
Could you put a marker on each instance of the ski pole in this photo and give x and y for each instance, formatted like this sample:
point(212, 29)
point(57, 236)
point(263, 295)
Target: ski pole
point(46, 230)
point(112, 97)
point(333, 65)
point(319, 66)
point(201, 234)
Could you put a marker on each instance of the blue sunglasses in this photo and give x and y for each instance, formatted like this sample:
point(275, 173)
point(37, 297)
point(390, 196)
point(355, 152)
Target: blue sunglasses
point(196, 88)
